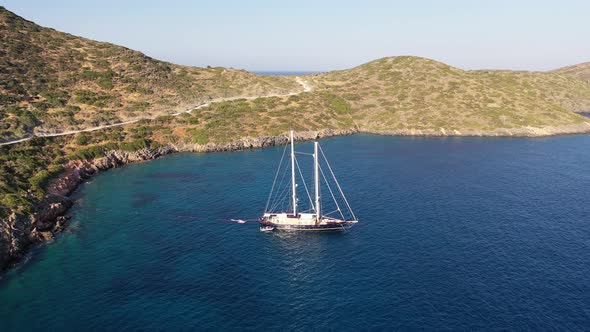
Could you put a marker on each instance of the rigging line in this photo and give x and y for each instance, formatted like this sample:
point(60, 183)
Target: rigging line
point(284, 186)
point(285, 201)
point(277, 200)
point(337, 210)
point(280, 198)
point(305, 153)
point(275, 180)
point(343, 228)
point(304, 185)
point(331, 192)
point(337, 184)
point(280, 201)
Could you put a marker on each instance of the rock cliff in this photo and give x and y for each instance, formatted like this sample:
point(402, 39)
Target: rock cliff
point(18, 232)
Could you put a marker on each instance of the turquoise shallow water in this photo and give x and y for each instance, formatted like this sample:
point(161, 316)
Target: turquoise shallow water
point(454, 234)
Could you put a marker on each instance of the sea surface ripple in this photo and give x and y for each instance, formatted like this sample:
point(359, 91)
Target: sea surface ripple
point(454, 234)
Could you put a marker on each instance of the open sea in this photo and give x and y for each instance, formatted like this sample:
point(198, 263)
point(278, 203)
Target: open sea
point(455, 234)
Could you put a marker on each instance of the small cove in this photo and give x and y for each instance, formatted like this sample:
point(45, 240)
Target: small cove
point(458, 233)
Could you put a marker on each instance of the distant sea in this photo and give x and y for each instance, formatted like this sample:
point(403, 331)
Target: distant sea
point(457, 234)
point(286, 73)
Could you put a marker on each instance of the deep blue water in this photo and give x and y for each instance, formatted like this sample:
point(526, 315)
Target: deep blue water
point(454, 234)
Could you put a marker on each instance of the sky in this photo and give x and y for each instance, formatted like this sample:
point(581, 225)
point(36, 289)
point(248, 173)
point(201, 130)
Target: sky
point(316, 35)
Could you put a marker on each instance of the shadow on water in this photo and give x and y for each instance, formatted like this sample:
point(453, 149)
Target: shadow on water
point(142, 199)
point(308, 236)
point(185, 176)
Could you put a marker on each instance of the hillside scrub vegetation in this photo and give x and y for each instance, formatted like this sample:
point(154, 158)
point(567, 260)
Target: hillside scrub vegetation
point(52, 82)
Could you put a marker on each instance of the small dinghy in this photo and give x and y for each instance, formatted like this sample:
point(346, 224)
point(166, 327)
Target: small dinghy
point(266, 228)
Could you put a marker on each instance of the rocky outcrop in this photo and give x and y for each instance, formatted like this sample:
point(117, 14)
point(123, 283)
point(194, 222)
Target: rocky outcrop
point(262, 142)
point(78, 170)
point(18, 232)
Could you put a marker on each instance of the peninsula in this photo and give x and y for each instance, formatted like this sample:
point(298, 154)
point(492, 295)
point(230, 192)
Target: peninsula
point(71, 107)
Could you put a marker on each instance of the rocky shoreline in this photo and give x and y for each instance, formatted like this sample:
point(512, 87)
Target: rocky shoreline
point(582, 128)
point(20, 232)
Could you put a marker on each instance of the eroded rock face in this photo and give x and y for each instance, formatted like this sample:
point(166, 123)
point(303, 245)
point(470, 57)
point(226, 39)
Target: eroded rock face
point(13, 238)
point(18, 232)
point(48, 211)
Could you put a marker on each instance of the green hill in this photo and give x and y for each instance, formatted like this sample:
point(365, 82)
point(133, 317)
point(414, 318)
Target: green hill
point(52, 81)
point(580, 71)
point(412, 93)
point(408, 96)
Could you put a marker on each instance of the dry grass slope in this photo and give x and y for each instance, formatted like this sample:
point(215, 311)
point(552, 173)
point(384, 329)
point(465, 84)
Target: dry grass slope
point(52, 81)
point(580, 71)
point(412, 93)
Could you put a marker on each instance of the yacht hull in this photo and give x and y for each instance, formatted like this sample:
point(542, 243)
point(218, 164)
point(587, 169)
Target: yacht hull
point(328, 227)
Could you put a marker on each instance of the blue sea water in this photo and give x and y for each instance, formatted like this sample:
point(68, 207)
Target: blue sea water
point(454, 234)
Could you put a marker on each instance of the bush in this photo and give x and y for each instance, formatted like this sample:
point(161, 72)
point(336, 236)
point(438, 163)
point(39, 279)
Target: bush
point(72, 109)
point(16, 202)
point(28, 119)
point(82, 139)
point(92, 98)
point(141, 132)
point(339, 105)
point(6, 99)
point(39, 180)
point(57, 98)
point(198, 136)
point(164, 119)
point(106, 83)
point(138, 106)
point(135, 145)
point(93, 151)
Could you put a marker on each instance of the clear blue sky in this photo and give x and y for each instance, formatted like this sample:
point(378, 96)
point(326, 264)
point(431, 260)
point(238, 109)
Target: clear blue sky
point(325, 35)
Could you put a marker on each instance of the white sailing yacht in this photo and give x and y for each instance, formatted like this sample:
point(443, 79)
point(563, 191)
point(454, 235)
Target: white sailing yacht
point(275, 217)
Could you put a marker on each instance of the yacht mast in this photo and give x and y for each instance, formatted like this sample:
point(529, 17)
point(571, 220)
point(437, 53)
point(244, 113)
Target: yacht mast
point(316, 179)
point(293, 184)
